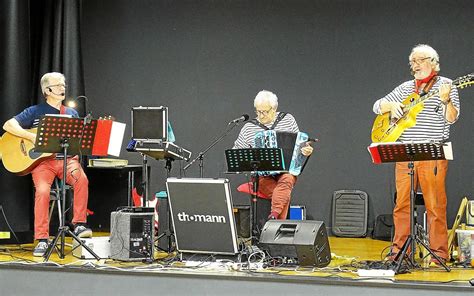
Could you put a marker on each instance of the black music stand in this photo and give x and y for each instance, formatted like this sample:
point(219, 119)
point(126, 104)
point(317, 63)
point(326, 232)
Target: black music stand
point(256, 161)
point(409, 152)
point(69, 136)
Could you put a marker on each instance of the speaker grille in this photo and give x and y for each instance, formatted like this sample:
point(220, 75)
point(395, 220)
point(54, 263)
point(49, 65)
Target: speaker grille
point(349, 213)
point(131, 236)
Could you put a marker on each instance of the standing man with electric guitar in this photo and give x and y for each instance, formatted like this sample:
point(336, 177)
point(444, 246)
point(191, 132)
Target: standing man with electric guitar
point(53, 86)
point(431, 122)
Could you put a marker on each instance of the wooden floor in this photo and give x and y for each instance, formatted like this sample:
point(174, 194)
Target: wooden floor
point(349, 254)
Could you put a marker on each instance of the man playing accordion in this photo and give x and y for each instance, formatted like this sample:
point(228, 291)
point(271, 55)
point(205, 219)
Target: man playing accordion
point(276, 186)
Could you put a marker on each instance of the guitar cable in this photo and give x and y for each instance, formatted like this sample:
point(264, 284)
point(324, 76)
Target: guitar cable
point(9, 226)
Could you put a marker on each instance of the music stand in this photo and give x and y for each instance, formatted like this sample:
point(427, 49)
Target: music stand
point(410, 152)
point(69, 136)
point(255, 161)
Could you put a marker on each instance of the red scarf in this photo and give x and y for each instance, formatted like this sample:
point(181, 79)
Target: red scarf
point(419, 82)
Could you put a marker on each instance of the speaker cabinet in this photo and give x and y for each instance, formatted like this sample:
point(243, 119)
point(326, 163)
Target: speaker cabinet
point(131, 236)
point(350, 213)
point(305, 240)
point(109, 189)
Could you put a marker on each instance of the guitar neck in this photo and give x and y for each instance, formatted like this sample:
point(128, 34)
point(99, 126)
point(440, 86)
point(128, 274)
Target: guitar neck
point(460, 82)
point(423, 98)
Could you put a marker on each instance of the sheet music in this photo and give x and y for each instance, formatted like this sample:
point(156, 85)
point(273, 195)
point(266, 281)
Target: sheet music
point(60, 115)
point(448, 151)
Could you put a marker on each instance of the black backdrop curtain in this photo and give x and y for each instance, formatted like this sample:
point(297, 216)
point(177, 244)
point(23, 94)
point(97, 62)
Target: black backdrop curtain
point(37, 36)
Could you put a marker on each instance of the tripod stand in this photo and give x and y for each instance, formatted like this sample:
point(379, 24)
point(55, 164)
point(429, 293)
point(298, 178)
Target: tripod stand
point(255, 161)
point(411, 152)
point(63, 228)
point(168, 233)
point(59, 142)
point(160, 151)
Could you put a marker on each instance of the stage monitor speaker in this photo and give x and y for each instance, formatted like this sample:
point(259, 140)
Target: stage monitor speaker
point(305, 240)
point(131, 236)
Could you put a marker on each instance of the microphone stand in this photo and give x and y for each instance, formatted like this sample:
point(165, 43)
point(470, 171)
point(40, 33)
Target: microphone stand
point(201, 154)
point(87, 120)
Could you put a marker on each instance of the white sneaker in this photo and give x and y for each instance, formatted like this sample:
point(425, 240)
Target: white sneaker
point(40, 249)
point(82, 231)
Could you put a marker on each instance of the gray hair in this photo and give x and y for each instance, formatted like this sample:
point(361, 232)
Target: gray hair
point(265, 96)
point(45, 80)
point(430, 52)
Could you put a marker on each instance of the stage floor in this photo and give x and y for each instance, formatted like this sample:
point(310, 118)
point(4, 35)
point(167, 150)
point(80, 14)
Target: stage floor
point(349, 254)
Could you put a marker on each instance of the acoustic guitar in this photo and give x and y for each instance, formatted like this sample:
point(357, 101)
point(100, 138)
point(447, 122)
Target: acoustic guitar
point(18, 155)
point(388, 129)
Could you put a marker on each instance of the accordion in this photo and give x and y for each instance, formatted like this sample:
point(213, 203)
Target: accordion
point(290, 143)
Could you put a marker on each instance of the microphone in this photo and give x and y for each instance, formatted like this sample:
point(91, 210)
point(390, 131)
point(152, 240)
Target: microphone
point(73, 104)
point(88, 118)
point(242, 118)
point(51, 91)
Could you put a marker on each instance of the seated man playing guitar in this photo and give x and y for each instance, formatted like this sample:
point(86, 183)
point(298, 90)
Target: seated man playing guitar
point(432, 123)
point(279, 186)
point(53, 86)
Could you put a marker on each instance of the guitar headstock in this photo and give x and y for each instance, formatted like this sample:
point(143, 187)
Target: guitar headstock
point(464, 81)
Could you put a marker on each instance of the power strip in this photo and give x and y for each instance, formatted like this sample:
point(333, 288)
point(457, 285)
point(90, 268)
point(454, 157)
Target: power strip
point(375, 273)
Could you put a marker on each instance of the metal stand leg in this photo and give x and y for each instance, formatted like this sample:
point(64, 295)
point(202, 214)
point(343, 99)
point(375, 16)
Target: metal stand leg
point(169, 233)
point(254, 229)
point(63, 229)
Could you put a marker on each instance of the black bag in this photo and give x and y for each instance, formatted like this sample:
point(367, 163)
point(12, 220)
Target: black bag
point(383, 227)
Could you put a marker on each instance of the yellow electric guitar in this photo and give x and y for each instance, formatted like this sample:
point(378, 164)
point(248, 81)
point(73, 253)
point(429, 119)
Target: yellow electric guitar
point(18, 155)
point(388, 129)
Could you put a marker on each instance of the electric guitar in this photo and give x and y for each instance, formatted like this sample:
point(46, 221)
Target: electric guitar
point(18, 155)
point(388, 129)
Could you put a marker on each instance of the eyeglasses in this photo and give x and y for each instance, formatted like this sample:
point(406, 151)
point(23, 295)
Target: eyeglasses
point(58, 85)
point(418, 61)
point(263, 112)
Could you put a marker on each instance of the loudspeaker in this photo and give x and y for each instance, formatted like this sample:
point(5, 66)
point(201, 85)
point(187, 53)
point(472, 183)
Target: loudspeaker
point(350, 213)
point(131, 236)
point(304, 240)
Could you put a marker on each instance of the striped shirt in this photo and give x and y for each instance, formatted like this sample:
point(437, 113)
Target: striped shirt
point(430, 122)
point(248, 131)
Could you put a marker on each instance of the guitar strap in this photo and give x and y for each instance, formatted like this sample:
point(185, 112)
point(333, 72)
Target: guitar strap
point(279, 117)
point(62, 109)
point(429, 85)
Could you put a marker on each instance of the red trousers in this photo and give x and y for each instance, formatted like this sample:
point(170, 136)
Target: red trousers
point(434, 194)
point(278, 188)
point(43, 177)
